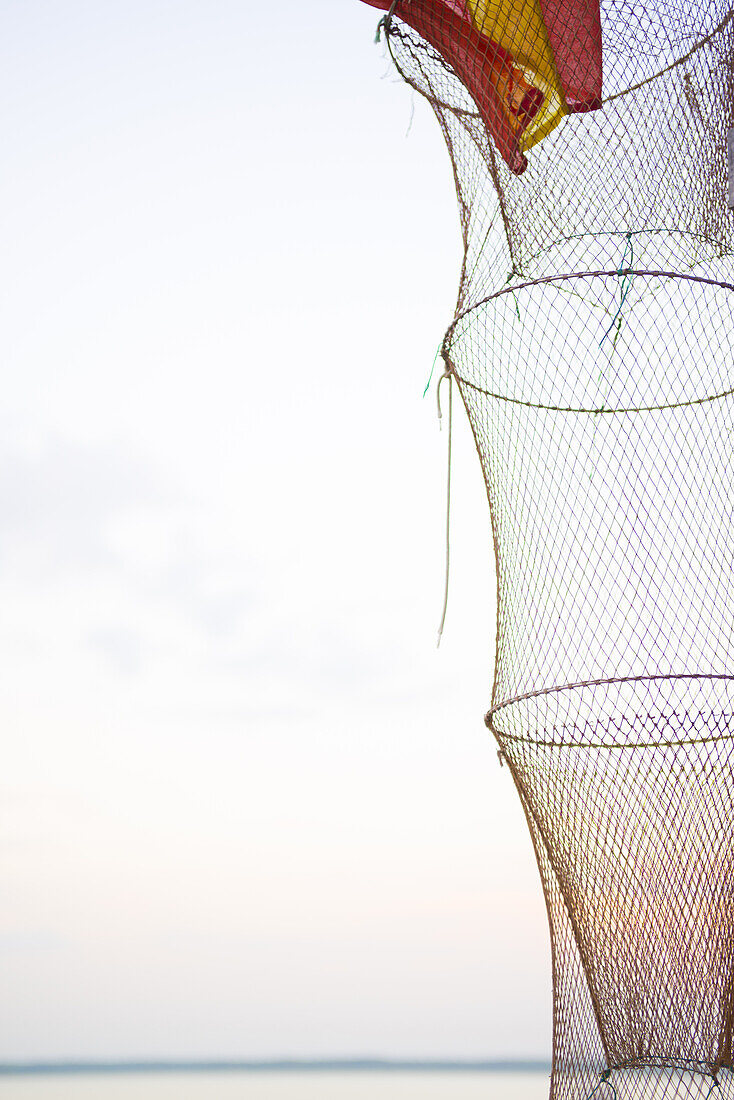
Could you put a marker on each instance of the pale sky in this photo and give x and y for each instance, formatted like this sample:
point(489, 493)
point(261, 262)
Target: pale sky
point(247, 808)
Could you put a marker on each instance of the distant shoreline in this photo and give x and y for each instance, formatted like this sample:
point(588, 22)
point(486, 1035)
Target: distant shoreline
point(285, 1065)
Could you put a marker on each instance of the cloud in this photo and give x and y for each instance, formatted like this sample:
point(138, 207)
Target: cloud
point(135, 547)
point(56, 501)
point(121, 646)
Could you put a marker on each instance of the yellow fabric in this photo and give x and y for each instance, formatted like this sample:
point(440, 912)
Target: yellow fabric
point(518, 27)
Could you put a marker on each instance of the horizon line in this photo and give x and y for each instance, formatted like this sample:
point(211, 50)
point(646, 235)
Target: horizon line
point(213, 1065)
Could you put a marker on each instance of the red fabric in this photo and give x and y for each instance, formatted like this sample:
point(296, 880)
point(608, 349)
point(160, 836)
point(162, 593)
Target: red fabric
point(473, 57)
point(574, 32)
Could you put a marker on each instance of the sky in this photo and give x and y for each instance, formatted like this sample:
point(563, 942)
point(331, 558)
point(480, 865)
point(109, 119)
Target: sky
point(247, 808)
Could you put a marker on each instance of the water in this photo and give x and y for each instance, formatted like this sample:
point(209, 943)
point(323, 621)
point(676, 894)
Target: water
point(236, 1085)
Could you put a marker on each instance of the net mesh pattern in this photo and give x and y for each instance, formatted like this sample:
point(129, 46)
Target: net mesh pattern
point(593, 347)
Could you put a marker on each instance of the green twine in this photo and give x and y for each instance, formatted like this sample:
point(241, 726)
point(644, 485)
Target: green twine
point(430, 376)
point(385, 23)
point(603, 1080)
point(714, 1085)
point(509, 279)
point(624, 288)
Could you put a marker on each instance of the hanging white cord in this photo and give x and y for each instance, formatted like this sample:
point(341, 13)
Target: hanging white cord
point(446, 374)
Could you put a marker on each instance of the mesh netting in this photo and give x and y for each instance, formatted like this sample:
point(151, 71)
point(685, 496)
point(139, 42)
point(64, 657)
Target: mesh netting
point(593, 347)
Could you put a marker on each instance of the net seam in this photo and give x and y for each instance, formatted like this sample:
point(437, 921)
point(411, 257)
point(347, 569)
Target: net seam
point(488, 718)
point(591, 412)
point(582, 275)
